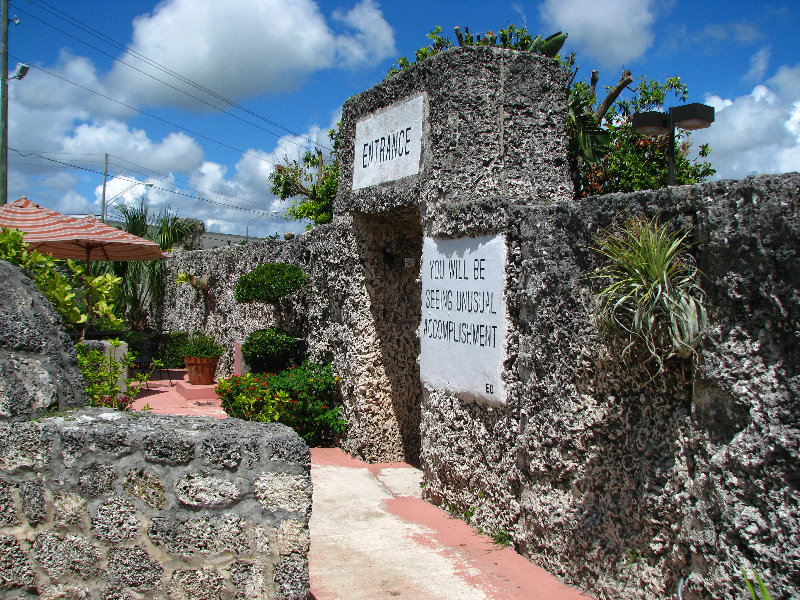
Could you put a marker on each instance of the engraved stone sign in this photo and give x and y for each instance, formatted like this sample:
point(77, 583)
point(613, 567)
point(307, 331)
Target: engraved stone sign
point(389, 144)
point(463, 330)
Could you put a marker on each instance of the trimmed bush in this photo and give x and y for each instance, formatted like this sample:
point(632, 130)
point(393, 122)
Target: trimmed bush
point(269, 350)
point(269, 283)
point(201, 345)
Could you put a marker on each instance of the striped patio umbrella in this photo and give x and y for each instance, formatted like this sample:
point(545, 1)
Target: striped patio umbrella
point(85, 238)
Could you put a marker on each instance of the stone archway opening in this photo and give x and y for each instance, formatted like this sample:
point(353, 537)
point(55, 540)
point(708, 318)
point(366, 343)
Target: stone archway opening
point(390, 250)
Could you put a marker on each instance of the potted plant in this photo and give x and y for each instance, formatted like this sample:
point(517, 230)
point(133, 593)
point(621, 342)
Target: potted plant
point(201, 353)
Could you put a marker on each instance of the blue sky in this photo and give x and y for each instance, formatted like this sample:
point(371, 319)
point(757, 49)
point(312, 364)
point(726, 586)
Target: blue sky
point(288, 65)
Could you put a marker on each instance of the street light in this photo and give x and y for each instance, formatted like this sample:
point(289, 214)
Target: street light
point(110, 202)
point(688, 116)
point(22, 70)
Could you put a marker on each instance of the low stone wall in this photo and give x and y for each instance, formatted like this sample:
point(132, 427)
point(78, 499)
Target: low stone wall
point(105, 505)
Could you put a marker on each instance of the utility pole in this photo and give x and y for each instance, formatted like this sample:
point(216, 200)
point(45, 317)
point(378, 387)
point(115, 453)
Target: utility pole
point(105, 177)
point(4, 104)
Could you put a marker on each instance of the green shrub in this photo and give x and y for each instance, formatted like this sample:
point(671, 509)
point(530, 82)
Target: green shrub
point(269, 283)
point(200, 345)
point(144, 344)
point(248, 397)
point(651, 300)
point(82, 299)
point(269, 350)
point(305, 398)
point(102, 373)
point(171, 349)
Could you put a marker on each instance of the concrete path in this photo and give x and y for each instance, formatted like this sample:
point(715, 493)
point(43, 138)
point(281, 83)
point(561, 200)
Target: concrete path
point(161, 396)
point(374, 538)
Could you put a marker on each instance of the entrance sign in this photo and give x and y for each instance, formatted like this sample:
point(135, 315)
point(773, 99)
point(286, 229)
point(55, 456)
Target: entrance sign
point(464, 327)
point(389, 144)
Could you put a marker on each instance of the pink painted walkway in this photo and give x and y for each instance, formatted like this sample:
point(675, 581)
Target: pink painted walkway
point(162, 397)
point(374, 538)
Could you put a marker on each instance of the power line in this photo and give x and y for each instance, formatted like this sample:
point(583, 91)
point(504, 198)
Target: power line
point(110, 41)
point(144, 172)
point(152, 116)
point(177, 193)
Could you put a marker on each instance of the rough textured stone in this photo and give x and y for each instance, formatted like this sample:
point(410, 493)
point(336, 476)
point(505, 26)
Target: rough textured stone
point(97, 480)
point(146, 486)
point(221, 452)
point(284, 491)
point(114, 594)
point(67, 592)
point(291, 578)
point(38, 366)
point(8, 511)
point(205, 535)
point(23, 445)
point(293, 538)
point(590, 462)
point(68, 509)
point(134, 568)
point(502, 134)
point(15, 570)
point(249, 579)
point(59, 555)
point(168, 448)
point(31, 494)
point(201, 584)
point(115, 520)
point(195, 489)
point(126, 526)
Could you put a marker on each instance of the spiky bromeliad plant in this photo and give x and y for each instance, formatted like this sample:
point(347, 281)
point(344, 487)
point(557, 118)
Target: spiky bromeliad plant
point(651, 300)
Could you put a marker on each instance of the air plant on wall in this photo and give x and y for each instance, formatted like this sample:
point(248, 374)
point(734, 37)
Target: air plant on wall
point(650, 299)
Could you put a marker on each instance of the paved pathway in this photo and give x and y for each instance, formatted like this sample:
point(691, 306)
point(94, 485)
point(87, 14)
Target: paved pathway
point(374, 538)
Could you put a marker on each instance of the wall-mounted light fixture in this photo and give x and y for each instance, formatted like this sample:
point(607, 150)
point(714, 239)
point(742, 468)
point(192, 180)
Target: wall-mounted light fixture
point(688, 116)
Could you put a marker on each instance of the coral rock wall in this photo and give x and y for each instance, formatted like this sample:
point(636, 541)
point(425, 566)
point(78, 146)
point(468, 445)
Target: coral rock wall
point(38, 368)
point(105, 505)
point(619, 484)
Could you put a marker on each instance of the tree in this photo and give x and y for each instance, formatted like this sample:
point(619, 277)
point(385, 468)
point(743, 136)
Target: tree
point(636, 162)
point(605, 153)
point(143, 282)
point(312, 183)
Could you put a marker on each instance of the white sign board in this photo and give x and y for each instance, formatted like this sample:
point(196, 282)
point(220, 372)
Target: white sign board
point(464, 327)
point(389, 144)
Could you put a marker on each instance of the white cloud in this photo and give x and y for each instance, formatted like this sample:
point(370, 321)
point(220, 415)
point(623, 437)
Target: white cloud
point(371, 38)
point(176, 152)
point(759, 132)
point(613, 32)
point(121, 191)
point(758, 65)
point(241, 48)
point(73, 203)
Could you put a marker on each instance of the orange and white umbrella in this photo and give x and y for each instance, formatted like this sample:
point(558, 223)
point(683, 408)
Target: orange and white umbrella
point(62, 236)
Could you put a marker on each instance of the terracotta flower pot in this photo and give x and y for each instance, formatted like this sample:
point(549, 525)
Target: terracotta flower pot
point(200, 370)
